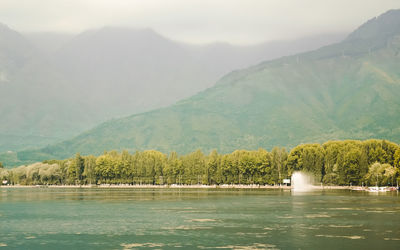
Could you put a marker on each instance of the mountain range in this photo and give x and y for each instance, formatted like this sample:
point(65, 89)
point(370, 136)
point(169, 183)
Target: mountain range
point(345, 90)
point(55, 86)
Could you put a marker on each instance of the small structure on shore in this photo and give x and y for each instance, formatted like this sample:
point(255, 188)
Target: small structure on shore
point(286, 182)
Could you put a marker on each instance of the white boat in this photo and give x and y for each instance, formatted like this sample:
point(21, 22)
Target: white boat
point(377, 189)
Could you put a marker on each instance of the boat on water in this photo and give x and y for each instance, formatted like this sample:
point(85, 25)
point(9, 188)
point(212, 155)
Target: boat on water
point(379, 189)
point(376, 189)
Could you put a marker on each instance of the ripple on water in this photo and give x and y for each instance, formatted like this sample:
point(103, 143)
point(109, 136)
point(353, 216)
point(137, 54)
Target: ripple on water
point(380, 211)
point(287, 217)
point(3, 244)
point(134, 245)
point(317, 216)
point(310, 227)
point(186, 228)
point(344, 208)
point(351, 237)
point(252, 234)
point(341, 226)
point(242, 247)
point(202, 220)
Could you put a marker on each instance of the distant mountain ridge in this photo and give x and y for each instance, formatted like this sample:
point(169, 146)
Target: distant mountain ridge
point(347, 90)
point(53, 87)
point(382, 26)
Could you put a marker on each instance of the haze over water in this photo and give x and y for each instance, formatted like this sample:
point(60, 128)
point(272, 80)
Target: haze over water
point(67, 218)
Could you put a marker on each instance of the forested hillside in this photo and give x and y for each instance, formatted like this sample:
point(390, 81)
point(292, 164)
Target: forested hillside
point(55, 86)
point(347, 90)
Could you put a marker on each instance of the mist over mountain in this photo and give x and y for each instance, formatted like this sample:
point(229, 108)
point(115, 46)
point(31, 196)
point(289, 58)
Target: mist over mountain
point(344, 90)
point(34, 101)
point(48, 42)
point(54, 86)
point(146, 70)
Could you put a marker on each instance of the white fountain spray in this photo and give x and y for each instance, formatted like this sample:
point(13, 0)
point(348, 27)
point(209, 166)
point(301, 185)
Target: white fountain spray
point(301, 182)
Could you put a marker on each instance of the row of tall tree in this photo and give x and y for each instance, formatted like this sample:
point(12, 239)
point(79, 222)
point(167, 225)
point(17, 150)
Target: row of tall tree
point(350, 162)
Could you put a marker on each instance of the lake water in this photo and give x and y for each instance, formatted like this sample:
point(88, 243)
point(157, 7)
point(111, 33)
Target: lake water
point(94, 218)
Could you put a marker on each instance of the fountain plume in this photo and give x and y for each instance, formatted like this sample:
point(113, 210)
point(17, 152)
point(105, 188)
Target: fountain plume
point(301, 181)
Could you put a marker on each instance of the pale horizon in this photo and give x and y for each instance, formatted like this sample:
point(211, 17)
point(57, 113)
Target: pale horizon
point(197, 22)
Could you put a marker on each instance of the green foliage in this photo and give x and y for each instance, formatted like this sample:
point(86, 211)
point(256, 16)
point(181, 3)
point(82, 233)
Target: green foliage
point(279, 158)
point(37, 173)
point(75, 169)
point(396, 157)
point(334, 162)
point(307, 157)
point(381, 174)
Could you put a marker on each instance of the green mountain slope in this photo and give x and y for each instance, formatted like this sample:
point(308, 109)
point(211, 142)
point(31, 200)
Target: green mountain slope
point(346, 90)
point(55, 86)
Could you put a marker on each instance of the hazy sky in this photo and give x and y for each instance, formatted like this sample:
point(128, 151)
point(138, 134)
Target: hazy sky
point(196, 21)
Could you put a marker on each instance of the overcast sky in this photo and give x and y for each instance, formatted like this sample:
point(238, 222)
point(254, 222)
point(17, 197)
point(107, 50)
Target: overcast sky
point(197, 21)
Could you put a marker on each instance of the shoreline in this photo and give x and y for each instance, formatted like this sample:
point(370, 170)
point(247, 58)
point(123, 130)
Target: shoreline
point(174, 186)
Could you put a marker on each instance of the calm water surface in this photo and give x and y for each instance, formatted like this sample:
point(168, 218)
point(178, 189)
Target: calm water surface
point(94, 218)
